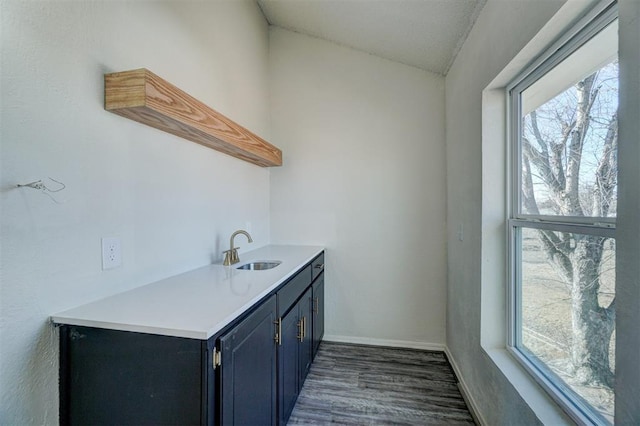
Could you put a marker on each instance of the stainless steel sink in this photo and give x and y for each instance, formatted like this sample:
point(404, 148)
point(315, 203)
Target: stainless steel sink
point(260, 266)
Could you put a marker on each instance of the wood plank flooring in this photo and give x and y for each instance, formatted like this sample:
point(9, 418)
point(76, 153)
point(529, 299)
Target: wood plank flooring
point(369, 385)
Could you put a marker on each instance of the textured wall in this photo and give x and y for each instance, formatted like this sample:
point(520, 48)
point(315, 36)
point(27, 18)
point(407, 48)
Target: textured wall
point(628, 227)
point(501, 31)
point(363, 142)
point(475, 121)
point(173, 203)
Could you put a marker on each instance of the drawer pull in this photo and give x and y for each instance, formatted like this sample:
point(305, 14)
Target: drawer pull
point(304, 328)
point(301, 330)
point(319, 266)
point(278, 337)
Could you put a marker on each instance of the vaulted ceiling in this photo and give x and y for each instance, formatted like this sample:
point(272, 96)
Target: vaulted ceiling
point(422, 33)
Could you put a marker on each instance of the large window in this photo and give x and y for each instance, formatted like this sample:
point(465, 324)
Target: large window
point(564, 136)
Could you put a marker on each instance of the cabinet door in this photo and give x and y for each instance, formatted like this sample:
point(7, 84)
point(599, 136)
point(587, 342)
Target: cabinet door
point(318, 312)
point(294, 354)
point(288, 361)
point(210, 390)
point(248, 370)
point(306, 354)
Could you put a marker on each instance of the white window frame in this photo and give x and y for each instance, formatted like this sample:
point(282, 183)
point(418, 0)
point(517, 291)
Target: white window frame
point(592, 23)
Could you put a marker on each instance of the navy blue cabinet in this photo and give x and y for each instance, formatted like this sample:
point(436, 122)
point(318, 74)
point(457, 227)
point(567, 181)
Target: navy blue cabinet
point(306, 343)
point(125, 378)
point(318, 312)
point(288, 360)
point(250, 394)
point(248, 369)
point(294, 354)
point(250, 373)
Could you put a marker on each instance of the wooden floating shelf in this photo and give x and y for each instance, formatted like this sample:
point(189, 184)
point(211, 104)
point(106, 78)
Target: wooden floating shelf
point(146, 98)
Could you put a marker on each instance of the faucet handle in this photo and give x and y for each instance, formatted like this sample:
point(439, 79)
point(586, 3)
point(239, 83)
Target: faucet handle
point(234, 255)
point(231, 256)
point(228, 255)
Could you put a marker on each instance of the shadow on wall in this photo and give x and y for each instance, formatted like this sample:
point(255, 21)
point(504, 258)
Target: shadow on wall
point(40, 371)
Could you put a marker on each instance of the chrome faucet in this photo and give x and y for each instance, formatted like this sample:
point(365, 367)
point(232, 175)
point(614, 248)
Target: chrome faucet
point(231, 255)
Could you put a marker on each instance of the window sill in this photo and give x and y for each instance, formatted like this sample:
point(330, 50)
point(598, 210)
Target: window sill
point(545, 408)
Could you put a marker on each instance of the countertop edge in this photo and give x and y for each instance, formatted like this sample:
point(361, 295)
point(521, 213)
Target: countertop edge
point(199, 334)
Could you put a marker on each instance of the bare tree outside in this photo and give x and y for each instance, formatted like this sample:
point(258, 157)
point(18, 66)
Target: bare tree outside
point(569, 169)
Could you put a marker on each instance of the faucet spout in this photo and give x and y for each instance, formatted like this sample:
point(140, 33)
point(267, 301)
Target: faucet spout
point(231, 255)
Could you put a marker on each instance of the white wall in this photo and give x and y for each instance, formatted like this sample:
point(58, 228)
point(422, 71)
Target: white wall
point(173, 203)
point(501, 31)
point(363, 175)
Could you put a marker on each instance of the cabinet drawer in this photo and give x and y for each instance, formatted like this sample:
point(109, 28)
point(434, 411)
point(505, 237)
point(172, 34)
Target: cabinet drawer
point(292, 290)
point(317, 266)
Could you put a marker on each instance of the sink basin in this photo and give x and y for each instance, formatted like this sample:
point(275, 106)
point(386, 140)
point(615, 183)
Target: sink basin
point(260, 266)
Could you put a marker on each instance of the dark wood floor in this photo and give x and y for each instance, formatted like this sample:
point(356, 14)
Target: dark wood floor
point(370, 385)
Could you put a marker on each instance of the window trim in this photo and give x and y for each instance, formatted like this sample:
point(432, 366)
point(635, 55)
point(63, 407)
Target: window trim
point(595, 229)
point(594, 21)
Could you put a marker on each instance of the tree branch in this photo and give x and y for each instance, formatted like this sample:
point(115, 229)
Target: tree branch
point(558, 252)
point(585, 99)
point(536, 132)
point(607, 171)
point(541, 161)
point(528, 194)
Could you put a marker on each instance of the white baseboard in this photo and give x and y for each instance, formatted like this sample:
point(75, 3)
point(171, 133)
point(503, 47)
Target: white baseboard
point(385, 342)
point(464, 390)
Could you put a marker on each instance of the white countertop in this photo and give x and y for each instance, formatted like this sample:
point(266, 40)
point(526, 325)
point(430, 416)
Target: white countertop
point(196, 304)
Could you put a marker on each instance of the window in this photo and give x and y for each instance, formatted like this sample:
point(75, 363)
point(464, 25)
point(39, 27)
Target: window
point(563, 116)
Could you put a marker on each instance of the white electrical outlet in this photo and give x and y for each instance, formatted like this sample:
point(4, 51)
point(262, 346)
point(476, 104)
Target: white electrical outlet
point(111, 253)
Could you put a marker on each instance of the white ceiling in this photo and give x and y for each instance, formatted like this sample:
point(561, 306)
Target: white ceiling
point(423, 33)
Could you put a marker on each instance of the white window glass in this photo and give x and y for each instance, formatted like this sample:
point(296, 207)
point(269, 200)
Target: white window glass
point(562, 225)
point(567, 315)
point(568, 149)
